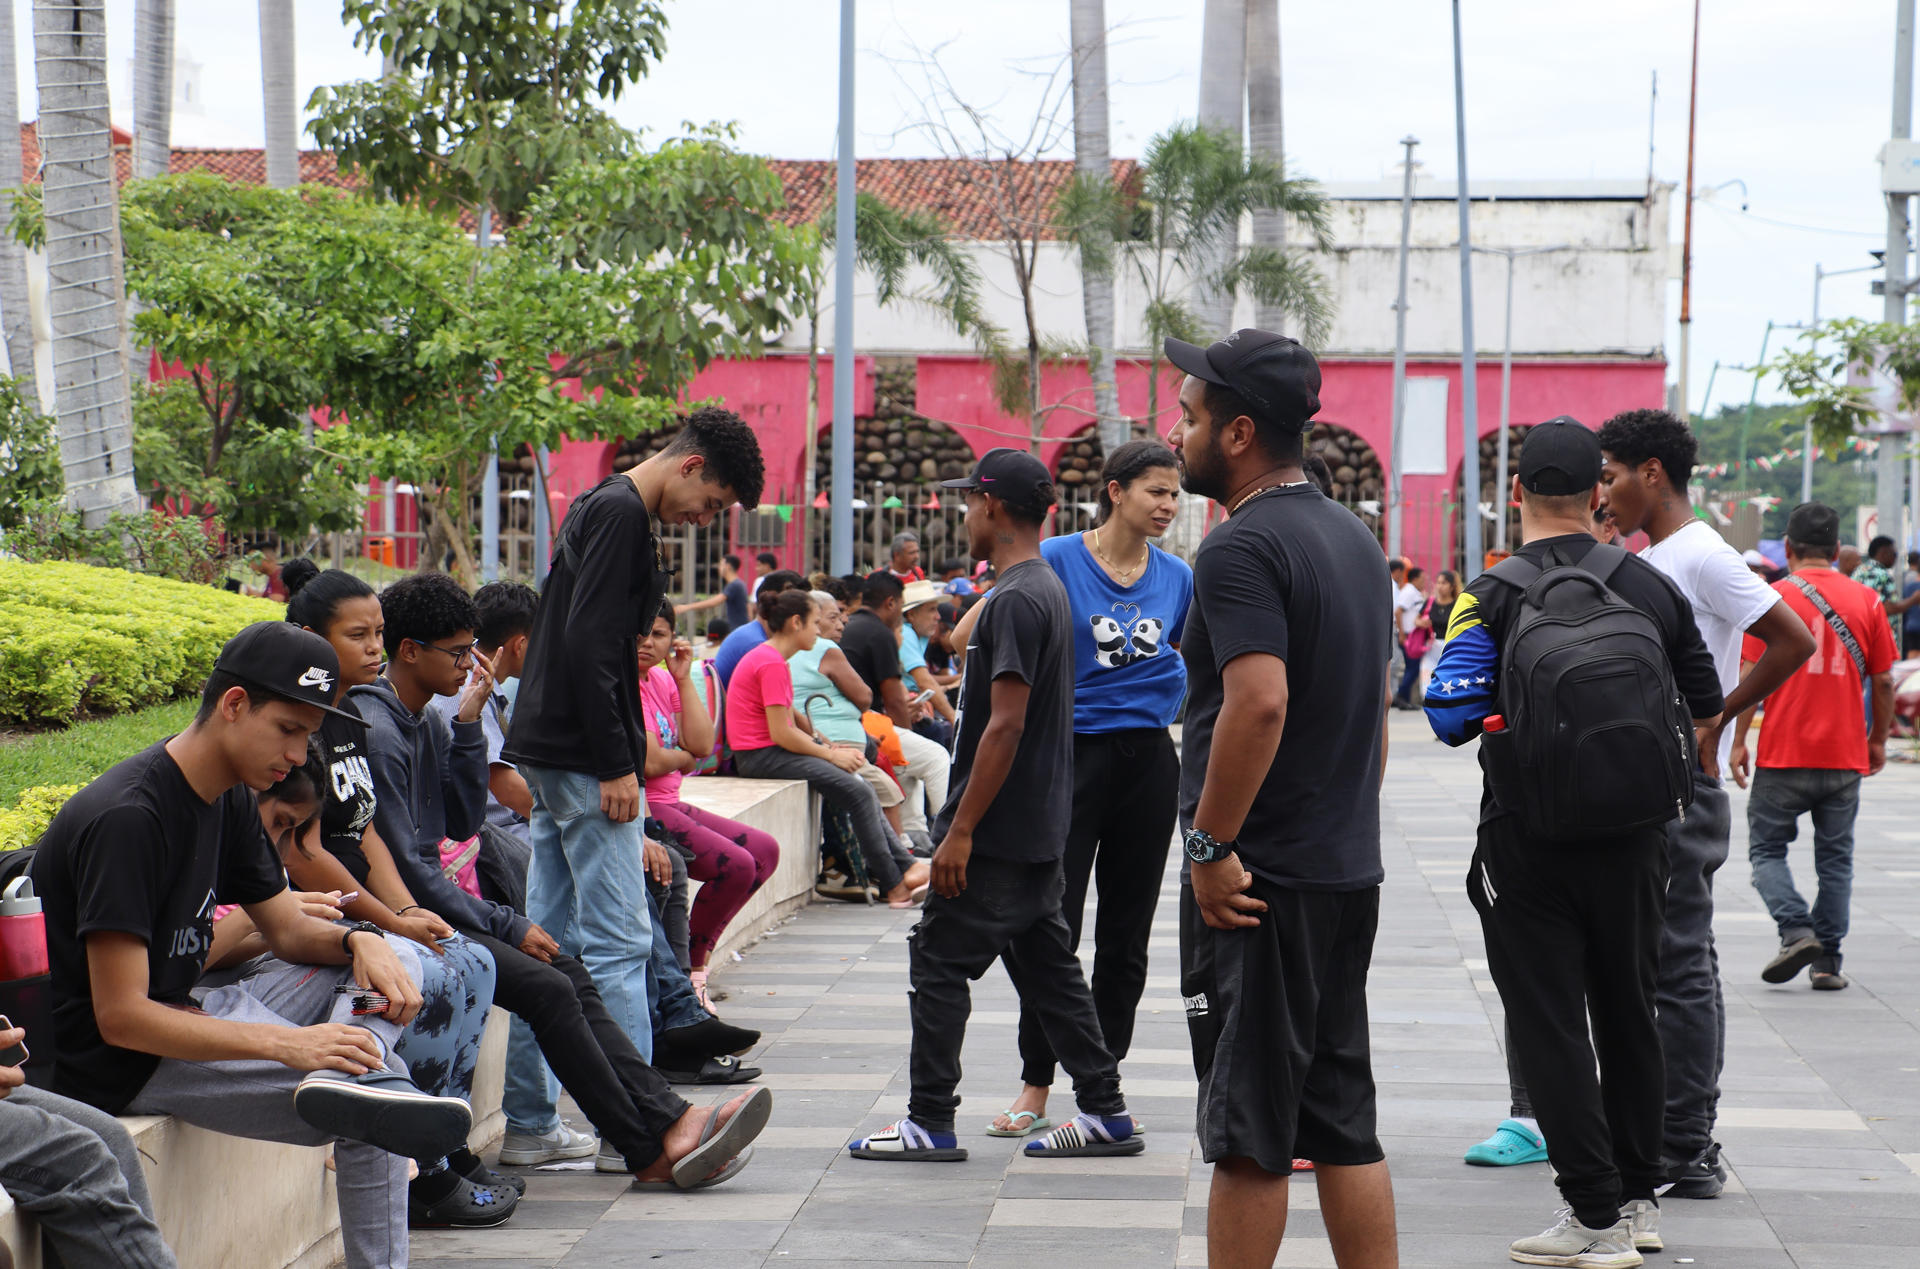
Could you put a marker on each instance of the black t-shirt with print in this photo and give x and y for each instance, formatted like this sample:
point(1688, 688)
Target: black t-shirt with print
point(139, 853)
point(350, 800)
point(1025, 631)
point(1296, 576)
point(872, 648)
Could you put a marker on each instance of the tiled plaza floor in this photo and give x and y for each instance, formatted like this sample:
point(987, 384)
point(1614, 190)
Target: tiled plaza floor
point(1820, 1113)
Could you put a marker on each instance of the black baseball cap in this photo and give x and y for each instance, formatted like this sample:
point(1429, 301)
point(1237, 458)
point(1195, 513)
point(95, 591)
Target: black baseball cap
point(1014, 476)
point(1272, 373)
point(287, 661)
point(1813, 524)
point(1560, 457)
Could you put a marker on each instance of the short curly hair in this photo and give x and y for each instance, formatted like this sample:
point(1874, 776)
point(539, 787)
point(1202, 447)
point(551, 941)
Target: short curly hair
point(425, 607)
point(731, 449)
point(1634, 436)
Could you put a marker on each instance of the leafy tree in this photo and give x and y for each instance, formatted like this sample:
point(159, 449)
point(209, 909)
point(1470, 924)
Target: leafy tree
point(1177, 225)
point(1818, 375)
point(29, 453)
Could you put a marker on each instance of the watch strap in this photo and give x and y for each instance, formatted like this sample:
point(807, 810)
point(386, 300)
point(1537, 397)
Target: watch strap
point(358, 927)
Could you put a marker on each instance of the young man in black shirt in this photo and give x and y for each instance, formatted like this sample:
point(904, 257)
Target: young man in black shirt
point(1573, 927)
point(576, 734)
point(1002, 834)
point(130, 871)
point(1279, 782)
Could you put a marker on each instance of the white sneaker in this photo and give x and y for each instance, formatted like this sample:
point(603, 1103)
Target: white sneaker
point(524, 1149)
point(1571, 1244)
point(1644, 1215)
point(609, 1159)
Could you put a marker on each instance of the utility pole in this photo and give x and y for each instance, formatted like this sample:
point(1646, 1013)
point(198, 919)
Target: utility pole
point(1501, 479)
point(1469, 401)
point(1686, 236)
point(1820, 274)
point(1888, 497)
point(1396, 484)
point(841, 524)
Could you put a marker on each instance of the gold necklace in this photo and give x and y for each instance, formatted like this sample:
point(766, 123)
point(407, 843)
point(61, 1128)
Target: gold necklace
point(1125, 575)
point(1245, 499)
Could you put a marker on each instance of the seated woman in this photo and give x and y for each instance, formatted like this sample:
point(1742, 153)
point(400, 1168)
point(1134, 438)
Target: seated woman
point(728, 858)
point(832, 697)
point(441, 1046)
point(770, 743)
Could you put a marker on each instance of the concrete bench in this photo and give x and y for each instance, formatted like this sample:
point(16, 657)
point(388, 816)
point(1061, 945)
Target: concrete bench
point(227, 1201)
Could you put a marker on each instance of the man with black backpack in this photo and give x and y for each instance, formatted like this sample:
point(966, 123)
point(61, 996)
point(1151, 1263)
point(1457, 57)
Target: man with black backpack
point(1582, 669)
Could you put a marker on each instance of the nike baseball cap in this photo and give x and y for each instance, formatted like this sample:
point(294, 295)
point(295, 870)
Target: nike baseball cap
point(1272, 373)
point(1560, 457)
point(288, 661)
point(1014, 476)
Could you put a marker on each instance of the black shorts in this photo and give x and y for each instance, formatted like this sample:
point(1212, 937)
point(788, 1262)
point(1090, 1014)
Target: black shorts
point(1277, 1016)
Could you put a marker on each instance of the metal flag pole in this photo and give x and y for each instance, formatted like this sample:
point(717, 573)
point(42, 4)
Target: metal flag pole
point(1396, 485)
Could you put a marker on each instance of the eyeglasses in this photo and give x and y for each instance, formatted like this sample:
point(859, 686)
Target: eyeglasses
point(462, 655)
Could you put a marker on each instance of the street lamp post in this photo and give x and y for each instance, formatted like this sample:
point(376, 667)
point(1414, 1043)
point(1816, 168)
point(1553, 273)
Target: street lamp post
point(1396, 482)
point(1820, 274)
point(1506, 383)
point(1469, 400)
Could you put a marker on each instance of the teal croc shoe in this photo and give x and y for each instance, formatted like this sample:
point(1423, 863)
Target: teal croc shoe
point(1511, 1143)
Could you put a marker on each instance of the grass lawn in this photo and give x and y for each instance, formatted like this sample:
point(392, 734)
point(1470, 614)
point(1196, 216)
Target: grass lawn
point(78, 753)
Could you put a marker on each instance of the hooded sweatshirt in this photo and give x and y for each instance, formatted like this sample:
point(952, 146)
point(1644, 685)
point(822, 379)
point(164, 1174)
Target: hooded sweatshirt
point(431, 781)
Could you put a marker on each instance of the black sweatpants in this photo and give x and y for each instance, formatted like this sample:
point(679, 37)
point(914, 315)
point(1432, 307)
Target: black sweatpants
point(628, 1101)
point(1125, 795)
point(1011, 911)
point(1573, 934)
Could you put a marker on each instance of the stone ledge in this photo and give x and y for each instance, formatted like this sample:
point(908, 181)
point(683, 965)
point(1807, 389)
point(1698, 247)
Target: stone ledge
point(225, 1200)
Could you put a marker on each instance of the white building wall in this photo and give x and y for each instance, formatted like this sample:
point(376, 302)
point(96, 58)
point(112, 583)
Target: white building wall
point(1604, 294)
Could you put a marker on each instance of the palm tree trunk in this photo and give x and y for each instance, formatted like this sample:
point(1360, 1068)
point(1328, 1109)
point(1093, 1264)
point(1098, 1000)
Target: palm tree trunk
point(152, 88)
point(1263, 130)
point(16, 317)
point(86, 287)
point(276, 84)
point(1223, 93)
point(1091, 160)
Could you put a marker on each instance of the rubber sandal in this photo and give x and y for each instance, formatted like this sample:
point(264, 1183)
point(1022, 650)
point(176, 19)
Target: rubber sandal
point(721, 1142)
point(1512, 1143)
point(1303, 1165)
point(724, 1174)
point(907, 1142)
point(1084, 1137)
point(1036, 1122)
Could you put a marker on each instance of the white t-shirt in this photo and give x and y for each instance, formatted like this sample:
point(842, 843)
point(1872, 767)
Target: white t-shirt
point(1727, 598)
point(1406, 606)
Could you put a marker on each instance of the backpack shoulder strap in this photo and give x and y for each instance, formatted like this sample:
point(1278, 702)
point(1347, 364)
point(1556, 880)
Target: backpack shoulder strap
point(1515, 572)
point(1603, 561)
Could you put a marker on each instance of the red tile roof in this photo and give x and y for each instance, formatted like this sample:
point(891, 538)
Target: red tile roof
point(977, 200)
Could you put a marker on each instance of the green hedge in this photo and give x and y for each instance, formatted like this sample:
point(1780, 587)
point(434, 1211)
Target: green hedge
point(77, 639)
point(22, 823)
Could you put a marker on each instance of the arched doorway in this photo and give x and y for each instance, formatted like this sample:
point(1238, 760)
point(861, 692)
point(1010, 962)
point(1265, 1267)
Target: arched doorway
point(1359, 477)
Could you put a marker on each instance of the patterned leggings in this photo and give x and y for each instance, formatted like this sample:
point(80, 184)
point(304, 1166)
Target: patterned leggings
point(442, 1045)
point(730, 860)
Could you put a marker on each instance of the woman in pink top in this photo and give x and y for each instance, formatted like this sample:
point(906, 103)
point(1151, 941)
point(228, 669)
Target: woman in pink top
point(771, 741)
point(728, 858)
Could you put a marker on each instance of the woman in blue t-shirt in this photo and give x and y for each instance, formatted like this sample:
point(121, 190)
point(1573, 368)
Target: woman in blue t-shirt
point(1130, 603)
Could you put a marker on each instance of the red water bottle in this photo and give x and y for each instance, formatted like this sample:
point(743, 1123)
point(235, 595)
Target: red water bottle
point(23, 932)
point(1493, 724)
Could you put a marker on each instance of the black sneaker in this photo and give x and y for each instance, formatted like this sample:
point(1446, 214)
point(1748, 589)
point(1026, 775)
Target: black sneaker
point(1793, 956)
point(467, 1206)
point(1702, 1177)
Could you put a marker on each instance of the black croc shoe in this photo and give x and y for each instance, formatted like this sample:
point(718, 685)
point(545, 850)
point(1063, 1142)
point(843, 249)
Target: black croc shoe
point(469, 1206)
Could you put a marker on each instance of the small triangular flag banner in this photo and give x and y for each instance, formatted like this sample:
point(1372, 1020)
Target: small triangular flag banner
point(820, 500)
point(784, 511)
point(892, 502)
point(932, 503)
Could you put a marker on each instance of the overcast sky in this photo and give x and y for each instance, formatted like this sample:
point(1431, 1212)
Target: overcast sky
point(1794, 101)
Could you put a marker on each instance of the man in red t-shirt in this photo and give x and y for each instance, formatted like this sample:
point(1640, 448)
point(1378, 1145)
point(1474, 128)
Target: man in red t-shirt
point(1815, 747)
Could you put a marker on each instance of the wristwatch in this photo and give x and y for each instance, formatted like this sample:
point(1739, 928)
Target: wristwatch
point(358, 927)
point(1202, 848)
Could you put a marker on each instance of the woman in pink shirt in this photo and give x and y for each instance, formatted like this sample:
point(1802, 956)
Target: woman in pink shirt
point(770, 741)
point(728, 858)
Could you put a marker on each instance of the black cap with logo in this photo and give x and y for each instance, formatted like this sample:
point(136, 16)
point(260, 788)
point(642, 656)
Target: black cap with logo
point(1814, 524)
point(1560, 457)
point(1014, 476)
point(287, 661)
point(1272, 373)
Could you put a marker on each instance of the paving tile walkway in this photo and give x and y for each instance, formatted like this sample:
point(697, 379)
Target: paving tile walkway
point(1820, 1113)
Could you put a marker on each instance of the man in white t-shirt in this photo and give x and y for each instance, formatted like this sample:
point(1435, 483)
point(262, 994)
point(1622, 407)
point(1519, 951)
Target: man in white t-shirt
point(1408, 599)
point(1649, 458)
point(1404, 593)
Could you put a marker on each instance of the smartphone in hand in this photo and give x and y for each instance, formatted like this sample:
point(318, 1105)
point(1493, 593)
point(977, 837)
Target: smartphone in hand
point(15, 1054)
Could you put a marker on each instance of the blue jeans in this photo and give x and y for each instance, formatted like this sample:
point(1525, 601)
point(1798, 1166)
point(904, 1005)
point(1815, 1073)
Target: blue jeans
point(78, 1172)
point(1781, 795)
point(587, 888)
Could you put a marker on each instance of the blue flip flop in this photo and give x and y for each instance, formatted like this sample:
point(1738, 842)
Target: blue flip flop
point(1511, 1143)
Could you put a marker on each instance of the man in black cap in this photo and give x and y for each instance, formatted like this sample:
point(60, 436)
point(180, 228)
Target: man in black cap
point(1815, 748)
point(997, 876)
point(1280, 792)
point(1573, 927)
point(130, 872)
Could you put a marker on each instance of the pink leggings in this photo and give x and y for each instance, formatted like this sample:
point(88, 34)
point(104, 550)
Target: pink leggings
point(730, 861)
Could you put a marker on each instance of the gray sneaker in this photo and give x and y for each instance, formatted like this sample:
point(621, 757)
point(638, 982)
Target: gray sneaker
point(609, 1159)
point(1571, 1244)
point(1644, 1216)
point(1795, 954)
point(524, 1149)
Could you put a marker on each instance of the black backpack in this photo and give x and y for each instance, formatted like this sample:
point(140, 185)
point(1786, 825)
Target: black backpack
point(1597, 739)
